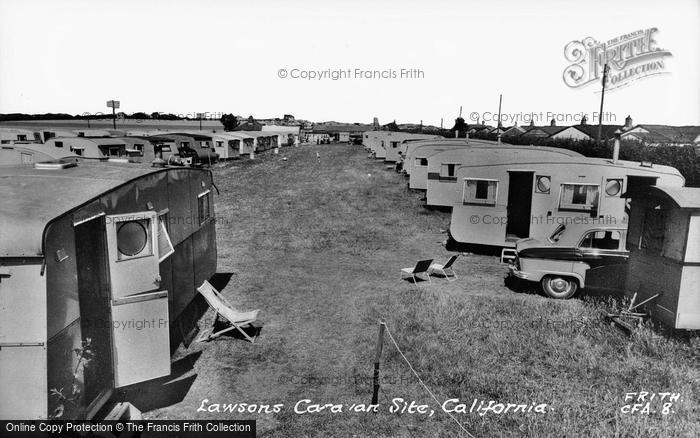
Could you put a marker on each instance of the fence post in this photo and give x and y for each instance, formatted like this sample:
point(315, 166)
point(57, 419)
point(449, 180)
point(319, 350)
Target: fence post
point(377, 358)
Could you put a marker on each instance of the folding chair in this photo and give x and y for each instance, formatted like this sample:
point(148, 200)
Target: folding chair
point(223, 308)
point(420, 268)
point(442, 269)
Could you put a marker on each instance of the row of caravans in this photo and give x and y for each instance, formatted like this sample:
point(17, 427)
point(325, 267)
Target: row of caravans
point(25, 147)
point(499, 193)
point(574, 221)
point(391, 145)
point(99, 262)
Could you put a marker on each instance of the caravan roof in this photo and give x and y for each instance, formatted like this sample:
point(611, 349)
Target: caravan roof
point(33, 197)
point(683, 197)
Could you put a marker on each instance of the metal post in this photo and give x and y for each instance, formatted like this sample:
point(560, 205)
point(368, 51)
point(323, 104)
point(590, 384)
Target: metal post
point(498, 124)
point(114, 117)
point(602, 98)
point(377, 358)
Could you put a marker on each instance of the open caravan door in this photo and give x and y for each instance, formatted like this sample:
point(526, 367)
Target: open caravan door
point(139, 310)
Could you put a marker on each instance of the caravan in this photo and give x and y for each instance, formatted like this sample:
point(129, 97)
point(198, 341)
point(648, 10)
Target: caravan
point(98, 262)
point(439, 180)
point(504, 200)
point(395, 145)
point(420, 148)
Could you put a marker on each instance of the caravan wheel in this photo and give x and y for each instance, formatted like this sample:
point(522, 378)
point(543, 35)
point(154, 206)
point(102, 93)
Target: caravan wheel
point(559, 287)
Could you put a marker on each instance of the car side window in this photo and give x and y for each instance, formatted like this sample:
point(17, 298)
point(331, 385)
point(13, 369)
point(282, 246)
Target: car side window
point(602, 240)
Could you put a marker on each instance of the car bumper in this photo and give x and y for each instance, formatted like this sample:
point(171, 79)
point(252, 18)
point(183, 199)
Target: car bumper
point(515, 272)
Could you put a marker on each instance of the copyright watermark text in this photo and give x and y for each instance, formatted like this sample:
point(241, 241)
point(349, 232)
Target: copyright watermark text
point(351, 73)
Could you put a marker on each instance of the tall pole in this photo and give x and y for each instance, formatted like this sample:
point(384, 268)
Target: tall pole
point(602, 98)
point(114, 117)
point(498, 124)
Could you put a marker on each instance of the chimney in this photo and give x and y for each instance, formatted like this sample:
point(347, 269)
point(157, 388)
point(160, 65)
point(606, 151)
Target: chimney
point(584, 120)
point(628, 123)
point(616, 146)
point(553, 123)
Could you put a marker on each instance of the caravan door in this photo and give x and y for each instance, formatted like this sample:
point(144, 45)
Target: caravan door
point(519, 214)
point(141, 338)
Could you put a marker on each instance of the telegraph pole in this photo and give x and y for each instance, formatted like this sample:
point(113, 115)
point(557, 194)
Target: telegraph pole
point(602, 98)
point(498, 124)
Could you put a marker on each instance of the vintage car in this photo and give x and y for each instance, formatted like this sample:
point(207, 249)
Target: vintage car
point(564, 264)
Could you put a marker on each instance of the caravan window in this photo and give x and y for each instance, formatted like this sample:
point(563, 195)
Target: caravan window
point(204, 208)
point(613, 187)
point(134, 239)
point(480, 191)
point(394, 144)
point(21, 138)
point(58, 144)
point(602, 240)
point(447, 170)
point(165, 245)
point(578, 197)
point(421, 161)
point(219, 144)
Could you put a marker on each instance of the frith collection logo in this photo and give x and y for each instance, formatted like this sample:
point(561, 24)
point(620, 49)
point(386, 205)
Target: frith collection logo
point(629, 57)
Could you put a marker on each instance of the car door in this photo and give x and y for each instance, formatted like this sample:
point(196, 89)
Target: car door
point(604, 251)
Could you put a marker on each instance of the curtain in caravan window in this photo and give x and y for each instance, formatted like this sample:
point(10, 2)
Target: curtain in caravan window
point(479, 191)
point(447, 170)
point(578, 197)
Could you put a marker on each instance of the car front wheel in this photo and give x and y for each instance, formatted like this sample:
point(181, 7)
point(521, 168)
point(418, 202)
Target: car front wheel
point(559, 287)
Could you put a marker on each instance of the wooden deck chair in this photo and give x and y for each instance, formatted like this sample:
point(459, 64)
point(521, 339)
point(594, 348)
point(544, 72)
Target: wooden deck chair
point(420, 268)
point(223, 308)
point(443, 269)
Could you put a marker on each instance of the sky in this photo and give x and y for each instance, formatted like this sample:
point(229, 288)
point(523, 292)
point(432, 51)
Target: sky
point(216, 56)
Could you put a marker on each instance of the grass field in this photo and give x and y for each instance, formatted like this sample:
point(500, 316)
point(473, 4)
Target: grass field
point(318, 248)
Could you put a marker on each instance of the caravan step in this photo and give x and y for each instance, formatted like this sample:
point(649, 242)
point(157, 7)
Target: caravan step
point(508, 255)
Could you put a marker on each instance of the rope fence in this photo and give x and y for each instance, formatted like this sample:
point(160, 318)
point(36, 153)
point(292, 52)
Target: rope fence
point(415, 373)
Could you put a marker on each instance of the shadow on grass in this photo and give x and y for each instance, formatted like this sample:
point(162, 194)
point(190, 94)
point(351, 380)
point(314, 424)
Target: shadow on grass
point(487, 250)
point(521, 286)
point(164, 391)
point(221, 279)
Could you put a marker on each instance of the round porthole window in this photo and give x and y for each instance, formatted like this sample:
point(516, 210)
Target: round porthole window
point(132, 238)
point(544, 183)
point(613, 187)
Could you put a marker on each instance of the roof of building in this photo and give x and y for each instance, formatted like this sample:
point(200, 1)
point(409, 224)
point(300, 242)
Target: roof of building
point(676, 134)
point(33, 197)
point(608, 131)
point(549, 130)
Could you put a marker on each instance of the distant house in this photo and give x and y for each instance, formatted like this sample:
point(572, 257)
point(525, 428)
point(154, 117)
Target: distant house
point(498, 131)
point(587, 132)
point(514, 131)
point(474, 129)
point(249, 125)
point(655, 135)
point(341, 132)
point(543, 131)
